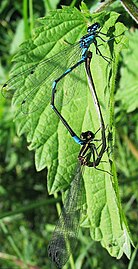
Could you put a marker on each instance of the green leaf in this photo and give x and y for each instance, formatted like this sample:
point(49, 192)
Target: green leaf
point(51, 141)
point(128, 91)
point(106, 224)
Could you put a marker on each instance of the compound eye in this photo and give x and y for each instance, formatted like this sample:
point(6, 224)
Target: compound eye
point(82, 136)
point(87, 135)
point(93, 27)
point(90, 135)
point(97, 25)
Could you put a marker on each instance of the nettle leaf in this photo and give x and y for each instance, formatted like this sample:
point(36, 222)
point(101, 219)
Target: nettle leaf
point(128, 91)
point(54, 147)
point(106, 223)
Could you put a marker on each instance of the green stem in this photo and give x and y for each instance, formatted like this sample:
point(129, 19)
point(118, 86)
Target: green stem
point(73, 3)
point(133, 257)
point(29, 207)
point(58, 206)
point(112, 124)
point(31, 15)
point(10, 239)
point(104, 5)
point(71, 261)
point(131, 8)
point(25, 18)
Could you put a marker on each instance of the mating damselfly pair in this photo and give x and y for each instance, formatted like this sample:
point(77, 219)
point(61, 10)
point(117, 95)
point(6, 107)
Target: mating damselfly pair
point(64, 238)
point(67, 227)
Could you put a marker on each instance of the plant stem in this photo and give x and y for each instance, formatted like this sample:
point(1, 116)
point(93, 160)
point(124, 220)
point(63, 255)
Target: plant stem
point(31, 15)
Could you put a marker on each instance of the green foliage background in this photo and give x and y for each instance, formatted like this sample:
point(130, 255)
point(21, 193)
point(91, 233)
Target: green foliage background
point(26, 211)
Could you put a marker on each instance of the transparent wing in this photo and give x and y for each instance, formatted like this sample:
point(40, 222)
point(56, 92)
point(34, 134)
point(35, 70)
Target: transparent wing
point(64, 237)
point(31, 87)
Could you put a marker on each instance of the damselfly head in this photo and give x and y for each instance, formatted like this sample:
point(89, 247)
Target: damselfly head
point(88, 136)
point(93, 27)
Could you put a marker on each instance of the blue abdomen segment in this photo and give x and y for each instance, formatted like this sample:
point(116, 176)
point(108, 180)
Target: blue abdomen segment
point(78, 140)
point(54, 84)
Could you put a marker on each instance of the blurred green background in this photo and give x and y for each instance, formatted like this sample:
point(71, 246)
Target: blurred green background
point(27, 213)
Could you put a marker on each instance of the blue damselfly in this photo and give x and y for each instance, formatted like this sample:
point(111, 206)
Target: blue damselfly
point(51, 72)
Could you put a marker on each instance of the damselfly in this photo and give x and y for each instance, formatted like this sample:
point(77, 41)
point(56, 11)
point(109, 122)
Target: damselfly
point(84, 156)
point(30, 86)
point(64, 237)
